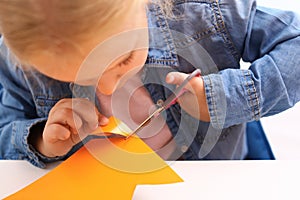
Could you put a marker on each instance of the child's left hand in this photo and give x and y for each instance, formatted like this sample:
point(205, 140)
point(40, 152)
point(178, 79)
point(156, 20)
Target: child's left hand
point(193, 98)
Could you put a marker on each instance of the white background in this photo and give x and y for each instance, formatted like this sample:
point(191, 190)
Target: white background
point(283, 130)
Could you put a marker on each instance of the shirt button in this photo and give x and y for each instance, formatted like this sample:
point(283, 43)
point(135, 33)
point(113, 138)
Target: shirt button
point(160, 102)
point(184, 148)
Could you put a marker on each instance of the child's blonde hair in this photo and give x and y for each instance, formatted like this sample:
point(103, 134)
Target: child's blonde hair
point(31, 26)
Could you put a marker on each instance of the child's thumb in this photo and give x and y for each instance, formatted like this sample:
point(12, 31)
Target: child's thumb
point(176, 78)
point(102, 120)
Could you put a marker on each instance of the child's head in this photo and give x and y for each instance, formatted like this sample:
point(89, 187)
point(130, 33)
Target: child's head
point(33, 26)
point(55, 36)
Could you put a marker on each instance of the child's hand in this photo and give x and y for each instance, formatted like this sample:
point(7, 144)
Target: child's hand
point(68, 119)
point(193, 98)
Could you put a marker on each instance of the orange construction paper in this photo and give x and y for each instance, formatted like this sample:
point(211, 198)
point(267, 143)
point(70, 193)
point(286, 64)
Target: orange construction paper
point(102, 169)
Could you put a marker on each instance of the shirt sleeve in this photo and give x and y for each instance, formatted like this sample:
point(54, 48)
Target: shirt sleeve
point(269, 40)
point(17, 114)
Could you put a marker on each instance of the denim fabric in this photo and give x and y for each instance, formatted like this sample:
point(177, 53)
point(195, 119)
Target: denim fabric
point(206, 34)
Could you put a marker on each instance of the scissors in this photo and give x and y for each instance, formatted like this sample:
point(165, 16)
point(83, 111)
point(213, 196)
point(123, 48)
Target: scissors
point(171, 100)
point(108, 135)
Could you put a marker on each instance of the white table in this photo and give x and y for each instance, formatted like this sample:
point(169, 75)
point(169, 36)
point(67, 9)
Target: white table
point(207, 180)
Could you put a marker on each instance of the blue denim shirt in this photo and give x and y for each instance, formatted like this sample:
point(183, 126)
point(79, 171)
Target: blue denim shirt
point(207, 34)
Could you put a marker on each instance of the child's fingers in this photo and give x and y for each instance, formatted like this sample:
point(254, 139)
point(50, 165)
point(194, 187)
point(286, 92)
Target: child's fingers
point(194, 101)
point(89, 113)
point(65, 117)
point(57, 142)
point(177, 78)
point(56, 133)
point(102, 120)
point(189, 103)
point(85, 109)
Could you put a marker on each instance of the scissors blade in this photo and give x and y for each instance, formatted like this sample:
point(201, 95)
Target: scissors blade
point(146, 121)
point(104, 135)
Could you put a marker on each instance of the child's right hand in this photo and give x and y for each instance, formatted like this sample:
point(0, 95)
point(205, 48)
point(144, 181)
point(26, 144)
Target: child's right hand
point(68, 119)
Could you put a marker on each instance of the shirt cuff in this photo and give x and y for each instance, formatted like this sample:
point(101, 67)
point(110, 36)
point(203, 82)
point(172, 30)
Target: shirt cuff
point(232, 98)
point(20, 133)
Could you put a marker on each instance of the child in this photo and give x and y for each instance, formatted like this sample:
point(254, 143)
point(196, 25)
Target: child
point(134, 53)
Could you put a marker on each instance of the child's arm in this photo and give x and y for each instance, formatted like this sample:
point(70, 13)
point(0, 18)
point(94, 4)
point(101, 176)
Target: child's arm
point(23, 134)
point(270, 40)
point(17, 115)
